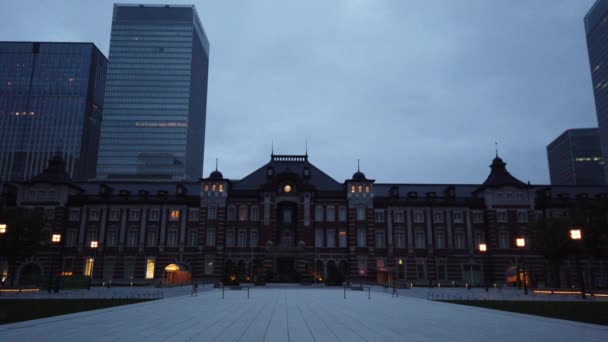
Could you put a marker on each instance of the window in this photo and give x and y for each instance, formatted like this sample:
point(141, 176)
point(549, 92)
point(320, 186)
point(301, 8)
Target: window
point(399, 239)
point(361, 237)
point(331, 238)
point(133, 214)
point(352, 188)
point(362, 265)
point(193, 214)
point(193, 238)
point(398, 216)
point(154, 215)
point(503, 239)
point(88, 266)
point(94, 214)
point(509, 196)
point(367, 188)
point(115, 215)
point(174, 215)
point(438, 216)
point(70, 239)
point(242, 241)
point(520, 196)
point(52, 195)
point(477, 217)
point(91, 236)
point(420, 269)
point(212, 213)
point(172, 238)
point(418, 216)
point(360, 214)
point(74, 214)
point(319, 213)
point(499, 196)
point(243, 213)
point(230, 238)
point(458, 217)
point(231, 213)
point(112, 238)
point(478, 238)
point(539, 215)
point(380, 263)
point(522, 216)
point(287, 215)
point(318, 237)
point(210, 236)
point(380, 243)
point(442, 273)
point(459, 241)
point(501, 216)
point(439, 240)
point(342, 238)
point(152, 238)
point(419, 241)
point(379, 215)
point(342, 214)
point(254, 238)
point(132, 238)
point(331, 213)
point(255, 213)
point(150, 262)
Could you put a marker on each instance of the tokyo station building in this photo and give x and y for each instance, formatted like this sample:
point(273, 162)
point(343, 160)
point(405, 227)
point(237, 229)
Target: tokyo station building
point(288, 221)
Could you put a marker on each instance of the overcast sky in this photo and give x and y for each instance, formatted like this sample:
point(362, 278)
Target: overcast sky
point(419, 90)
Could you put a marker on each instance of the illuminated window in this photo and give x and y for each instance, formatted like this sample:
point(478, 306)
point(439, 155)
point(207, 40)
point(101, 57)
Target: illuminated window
point(88, 266)
point(367, 188)
point(243, 213)
point(174, 215)
point(206, 187)
point(352, 188)
point(342, 238)
point(360, 188)
point(221, 187)
point(213, 187)
point(150, 268)
point(360, 214)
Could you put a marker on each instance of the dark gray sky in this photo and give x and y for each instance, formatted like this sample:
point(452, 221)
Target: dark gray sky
point(419, 90)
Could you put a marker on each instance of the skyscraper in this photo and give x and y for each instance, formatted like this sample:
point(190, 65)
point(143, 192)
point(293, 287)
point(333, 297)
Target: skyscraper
point(156, 95)
point(51, 97)
point(596, 28)
point(575, 158)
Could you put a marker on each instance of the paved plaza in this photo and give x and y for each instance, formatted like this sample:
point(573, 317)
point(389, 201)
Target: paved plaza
point(299, 314)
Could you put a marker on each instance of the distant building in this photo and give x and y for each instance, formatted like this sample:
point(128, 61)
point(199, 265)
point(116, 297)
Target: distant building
point(156, 95)
point(596, 27)
point(51, 97)
point(575, 158)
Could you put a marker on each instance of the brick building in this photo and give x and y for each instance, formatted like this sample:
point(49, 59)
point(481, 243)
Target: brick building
point(288, 221)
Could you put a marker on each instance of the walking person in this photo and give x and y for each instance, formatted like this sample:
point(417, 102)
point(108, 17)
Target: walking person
point(194, 289)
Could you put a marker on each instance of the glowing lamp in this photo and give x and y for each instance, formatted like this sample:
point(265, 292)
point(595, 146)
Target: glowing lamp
point(576, 234)
point(400, 261)
point(94, 244)
point(483, 247)
point(520, 242)
point(56, 238)
point(2, 228)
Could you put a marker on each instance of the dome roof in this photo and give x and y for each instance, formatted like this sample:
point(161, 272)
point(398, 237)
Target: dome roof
point(359, 176)
point(216, 175)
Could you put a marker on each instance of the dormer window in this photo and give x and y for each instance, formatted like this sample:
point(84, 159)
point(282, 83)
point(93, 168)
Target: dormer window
point(214, 187)
point(270, 171)
point(206, 188)
point(306, 172)
point(367, 188)
point(360, 188)
point(352, 188)
point(221, 187)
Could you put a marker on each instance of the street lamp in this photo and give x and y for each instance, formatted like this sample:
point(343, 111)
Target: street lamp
point(521, 243)
point(2, 232)
point(2, 228)
point(483, 248)
point(94, 245)
point(55, 239)
point(576, 235)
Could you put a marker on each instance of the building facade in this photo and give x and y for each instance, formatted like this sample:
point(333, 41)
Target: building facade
point(51, 98)
point(596, 28)
point(575, 158)
point(288, 221)
point(156, 95)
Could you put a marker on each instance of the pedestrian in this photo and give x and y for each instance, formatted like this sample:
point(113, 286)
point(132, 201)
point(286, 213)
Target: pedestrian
point(194, 289)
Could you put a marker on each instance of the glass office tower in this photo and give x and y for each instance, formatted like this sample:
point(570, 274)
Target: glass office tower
point(575, 158)
point(51, 97)
point(596, 28)
point(156, 95)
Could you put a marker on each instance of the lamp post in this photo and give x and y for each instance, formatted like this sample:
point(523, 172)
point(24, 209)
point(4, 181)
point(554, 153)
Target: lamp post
point(94, 245)
point(483, 249)
point(576, 235)
point(55, 239)
point(2, 232)
point(521, 243)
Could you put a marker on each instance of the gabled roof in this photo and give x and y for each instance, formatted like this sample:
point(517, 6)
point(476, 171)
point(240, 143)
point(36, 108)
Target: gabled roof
point(288, 164)
point(499, 176)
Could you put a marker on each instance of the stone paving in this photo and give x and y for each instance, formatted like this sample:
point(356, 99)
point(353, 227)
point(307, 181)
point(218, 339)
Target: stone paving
point(299, 314)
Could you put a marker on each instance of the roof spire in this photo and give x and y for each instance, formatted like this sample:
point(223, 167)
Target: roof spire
point(496, 146)
point(216, 159)
point(272, 148)
point(358, 169)
point(306, 153)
